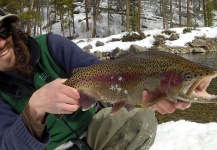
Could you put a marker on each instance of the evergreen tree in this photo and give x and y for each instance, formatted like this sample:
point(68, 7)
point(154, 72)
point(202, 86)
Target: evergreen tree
point(215, 4)
point(209, 12)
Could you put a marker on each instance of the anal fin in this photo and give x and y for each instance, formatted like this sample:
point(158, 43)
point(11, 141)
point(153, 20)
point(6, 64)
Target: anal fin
point(129, 107)
point(116, 107)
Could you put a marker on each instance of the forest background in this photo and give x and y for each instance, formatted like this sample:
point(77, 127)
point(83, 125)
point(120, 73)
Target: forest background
point(39, 16)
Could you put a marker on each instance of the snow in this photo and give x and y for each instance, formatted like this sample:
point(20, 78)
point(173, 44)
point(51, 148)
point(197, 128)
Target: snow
point(207, 32)
point(186, 135)
point(173, 135)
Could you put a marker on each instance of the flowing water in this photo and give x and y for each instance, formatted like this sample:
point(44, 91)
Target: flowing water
point(198, 112)
point(209, 59)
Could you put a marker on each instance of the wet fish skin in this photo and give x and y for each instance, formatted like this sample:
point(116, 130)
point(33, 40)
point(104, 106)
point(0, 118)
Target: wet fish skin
point(160, 74)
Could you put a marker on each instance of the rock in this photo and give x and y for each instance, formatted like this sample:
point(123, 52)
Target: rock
point(198, 50)
point(86, 50)
point(98, 54)
point(115, 39)
point(135, 49)
point(154, 48)
point(117, 52)
point(198, 43)
point(99, 43)
point(88, 47)
point(107, 56)
point(173, 37)
point(80, 41)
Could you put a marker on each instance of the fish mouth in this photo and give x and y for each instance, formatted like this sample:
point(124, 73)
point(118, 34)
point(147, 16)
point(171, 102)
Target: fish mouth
point(196, 92)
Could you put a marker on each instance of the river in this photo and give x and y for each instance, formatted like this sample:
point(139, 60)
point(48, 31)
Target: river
point(209, 59)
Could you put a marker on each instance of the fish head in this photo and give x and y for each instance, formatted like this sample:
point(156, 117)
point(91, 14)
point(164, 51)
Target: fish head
point(188, 81)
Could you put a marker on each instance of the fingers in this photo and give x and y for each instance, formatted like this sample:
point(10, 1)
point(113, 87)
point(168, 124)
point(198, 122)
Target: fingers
point(68, 108)
point(55, 98)
point(66, 90)
point(68, 100)
point(182, 105)
point(164, 106)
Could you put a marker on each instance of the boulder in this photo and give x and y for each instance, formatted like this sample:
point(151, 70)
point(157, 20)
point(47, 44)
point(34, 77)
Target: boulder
point(198, 50)
point(88, 47)
point(173, 36)
point(198, 43)
point(99, 43)
point(135, 49)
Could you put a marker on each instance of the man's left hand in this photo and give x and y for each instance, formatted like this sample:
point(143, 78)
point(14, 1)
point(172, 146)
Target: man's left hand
point(164, 106)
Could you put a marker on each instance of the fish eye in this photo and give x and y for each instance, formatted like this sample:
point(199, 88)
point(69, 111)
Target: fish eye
point(186, 76)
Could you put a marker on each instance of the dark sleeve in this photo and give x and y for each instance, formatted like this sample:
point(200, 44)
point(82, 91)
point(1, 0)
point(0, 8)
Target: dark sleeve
point(36, 128)
point(68, 55)
point(13, 132)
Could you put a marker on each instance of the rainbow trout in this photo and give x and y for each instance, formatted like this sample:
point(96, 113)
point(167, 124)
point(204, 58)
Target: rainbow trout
point(156, 74)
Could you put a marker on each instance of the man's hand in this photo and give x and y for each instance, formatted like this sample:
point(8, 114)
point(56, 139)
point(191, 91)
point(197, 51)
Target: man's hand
point(54, 98)
point(164, 106)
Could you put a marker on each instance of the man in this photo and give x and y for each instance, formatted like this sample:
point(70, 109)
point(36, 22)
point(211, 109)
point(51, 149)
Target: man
point(32, 73)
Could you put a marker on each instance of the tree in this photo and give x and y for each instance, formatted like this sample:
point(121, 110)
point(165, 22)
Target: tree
point(180, 13)
point(209, 12)
point(139, 13)
point(204, 13)
point(95, 5)
point(164, 13)
point(30, 14)
point(188, 14)
point(109, 15)
point(86, 13)
point(215, 4)
point(171, 13)
point(64, 7)
point(128, 15)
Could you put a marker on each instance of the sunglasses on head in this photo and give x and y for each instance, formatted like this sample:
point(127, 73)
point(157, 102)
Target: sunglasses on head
point(5, 31)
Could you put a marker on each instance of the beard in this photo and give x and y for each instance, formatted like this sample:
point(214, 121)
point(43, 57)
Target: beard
point(22, 60)
point(8, 60)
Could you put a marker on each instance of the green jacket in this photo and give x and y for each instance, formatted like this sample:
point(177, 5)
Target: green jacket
point(47, 70)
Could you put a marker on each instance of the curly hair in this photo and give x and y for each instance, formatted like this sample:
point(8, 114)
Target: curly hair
point(21, 51)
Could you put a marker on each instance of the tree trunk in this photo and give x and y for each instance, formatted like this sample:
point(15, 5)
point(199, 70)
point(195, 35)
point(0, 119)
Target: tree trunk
point(86, 13)
point(188, 14)
point(95, 15)
point(164, 11)
point(29, 25)
point(21, 12)
point(180, 13)
point(171, 13)
point(69, 23)
point(48, 16)
point(128, 15)
point(204, 13)
point(139, 13)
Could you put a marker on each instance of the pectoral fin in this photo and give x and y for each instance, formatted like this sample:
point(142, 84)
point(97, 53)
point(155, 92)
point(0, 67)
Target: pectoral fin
point(86, 101)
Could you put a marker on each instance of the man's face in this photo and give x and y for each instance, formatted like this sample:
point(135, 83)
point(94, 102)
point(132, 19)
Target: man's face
point(7, 55)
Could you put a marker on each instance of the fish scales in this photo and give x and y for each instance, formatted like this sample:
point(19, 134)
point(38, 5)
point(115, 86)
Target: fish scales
point(161, 74)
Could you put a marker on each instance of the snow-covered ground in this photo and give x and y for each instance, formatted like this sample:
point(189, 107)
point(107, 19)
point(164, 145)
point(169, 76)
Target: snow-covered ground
point(185, 135)
point(148, 41)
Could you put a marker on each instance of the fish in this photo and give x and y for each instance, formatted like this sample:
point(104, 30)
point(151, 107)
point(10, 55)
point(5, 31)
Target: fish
point(143, 79)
